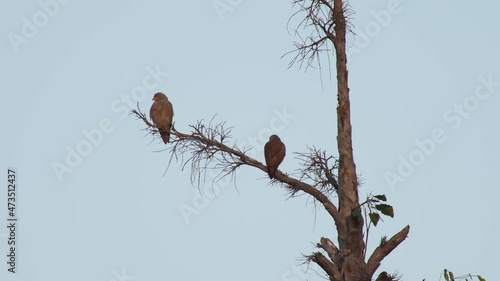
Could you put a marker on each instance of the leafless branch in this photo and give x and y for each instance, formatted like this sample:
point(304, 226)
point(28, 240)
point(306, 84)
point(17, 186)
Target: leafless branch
point(318, 169)
point(385, 249)
point(368, 223)
point(329, 267)
point(317, 16)
point(330, 248)
point(209, 150)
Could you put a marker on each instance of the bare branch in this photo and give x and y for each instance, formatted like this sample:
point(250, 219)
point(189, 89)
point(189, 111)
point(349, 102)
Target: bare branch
point(150, 128)
point(368, 223)
point(307, 51)
point(317, 169)
point(319, 18)
point(209, 150)
point(296, 185)
point(208, 147)
point(385, 249)
point(330, 268)
point(330, 248)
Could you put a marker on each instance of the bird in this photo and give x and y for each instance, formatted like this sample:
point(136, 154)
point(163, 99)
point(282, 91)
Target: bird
point(274, 152)
point(161, 113)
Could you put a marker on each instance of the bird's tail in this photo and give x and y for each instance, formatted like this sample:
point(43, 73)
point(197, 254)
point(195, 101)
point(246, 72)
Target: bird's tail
point(165, 136)
point(271, 171)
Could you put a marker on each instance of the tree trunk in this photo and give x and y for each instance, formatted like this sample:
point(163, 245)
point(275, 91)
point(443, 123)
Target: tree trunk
point(350, 238)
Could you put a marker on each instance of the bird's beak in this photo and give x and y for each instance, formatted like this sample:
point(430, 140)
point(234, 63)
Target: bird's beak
point(153, 98)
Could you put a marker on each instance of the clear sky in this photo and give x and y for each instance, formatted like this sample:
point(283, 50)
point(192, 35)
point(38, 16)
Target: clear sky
point(92, 199)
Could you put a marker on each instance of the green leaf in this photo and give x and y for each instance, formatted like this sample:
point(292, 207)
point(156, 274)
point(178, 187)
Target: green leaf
point(446, 275)
point(374, 217)
point(386, 210)
point(481, 278)
point(381, 197)
point(451, 276)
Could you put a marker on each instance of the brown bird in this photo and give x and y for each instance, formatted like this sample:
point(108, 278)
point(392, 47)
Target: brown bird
point(274, 152)
point(161, 113)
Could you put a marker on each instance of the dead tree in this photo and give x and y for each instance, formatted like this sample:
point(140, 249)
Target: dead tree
point(207, 147)
point(328, 20)
point(321, 176)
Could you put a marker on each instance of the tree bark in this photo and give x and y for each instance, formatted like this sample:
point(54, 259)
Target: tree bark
point(350, 236)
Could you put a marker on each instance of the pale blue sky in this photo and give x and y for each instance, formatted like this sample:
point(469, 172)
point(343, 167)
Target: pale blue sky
point(115, 213)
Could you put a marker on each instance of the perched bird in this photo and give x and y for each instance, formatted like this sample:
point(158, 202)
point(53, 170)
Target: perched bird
point(161, 113)
point(274, 152)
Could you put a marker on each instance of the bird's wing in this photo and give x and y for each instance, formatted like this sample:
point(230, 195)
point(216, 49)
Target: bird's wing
point(281, 152)
point(169, 112)
point(267, 152)
point(273, 150)
point(161, 113)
